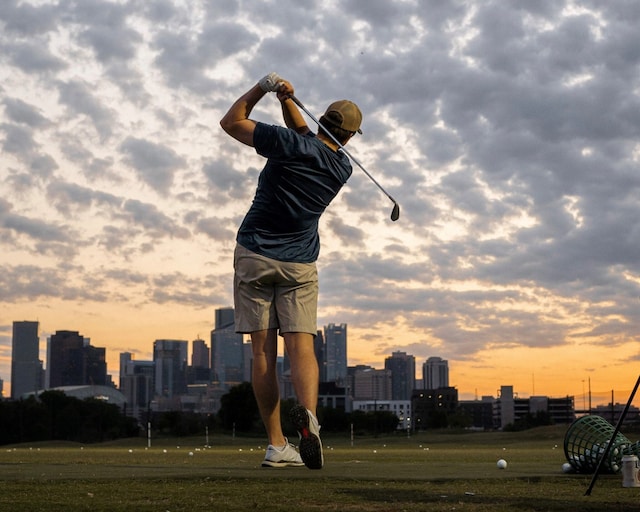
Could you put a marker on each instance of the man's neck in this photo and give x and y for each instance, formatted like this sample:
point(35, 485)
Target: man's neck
point(328, 141)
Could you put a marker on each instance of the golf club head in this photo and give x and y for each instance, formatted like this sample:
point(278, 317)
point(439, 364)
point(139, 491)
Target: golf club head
point(395, 213)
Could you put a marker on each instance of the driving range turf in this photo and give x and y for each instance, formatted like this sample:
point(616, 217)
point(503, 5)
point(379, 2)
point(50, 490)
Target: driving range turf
point(434, 471)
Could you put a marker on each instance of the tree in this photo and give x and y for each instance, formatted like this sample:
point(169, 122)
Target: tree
point(239, 408)
point(374, 422)
point(55, 416)
point(539, 419)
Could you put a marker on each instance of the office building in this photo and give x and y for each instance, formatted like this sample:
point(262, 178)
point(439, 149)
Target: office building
point(371, 384)
point(170, 367)
point(73, 361)
point(200, 354)
point(435, 373)
point(199, 371)
point(504, 411)
point(318, 349)
point(227, 352)
point(247, 361)
point(125, 357)
point(400, 408)
point(431, 408)
point(137, 385)
point(403, 374)
point(335, 354)
point(26, 367)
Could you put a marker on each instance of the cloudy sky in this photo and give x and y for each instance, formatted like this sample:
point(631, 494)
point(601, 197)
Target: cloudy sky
point(508, 131)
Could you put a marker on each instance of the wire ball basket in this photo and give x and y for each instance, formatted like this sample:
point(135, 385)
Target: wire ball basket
point(586, 441)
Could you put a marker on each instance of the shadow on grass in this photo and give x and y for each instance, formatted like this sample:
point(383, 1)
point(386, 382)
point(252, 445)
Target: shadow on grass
point(524, 497)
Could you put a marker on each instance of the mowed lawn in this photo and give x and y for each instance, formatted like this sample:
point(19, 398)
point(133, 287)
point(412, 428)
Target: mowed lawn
point(428, 471)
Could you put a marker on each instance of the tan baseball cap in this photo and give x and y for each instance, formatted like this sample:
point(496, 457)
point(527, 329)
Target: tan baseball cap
point(344, 114)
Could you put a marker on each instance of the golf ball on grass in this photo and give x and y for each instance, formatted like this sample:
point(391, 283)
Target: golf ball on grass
point(502, 464)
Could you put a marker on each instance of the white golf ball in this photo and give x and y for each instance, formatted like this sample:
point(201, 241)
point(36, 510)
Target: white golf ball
point(502, 464)
point(567, 468)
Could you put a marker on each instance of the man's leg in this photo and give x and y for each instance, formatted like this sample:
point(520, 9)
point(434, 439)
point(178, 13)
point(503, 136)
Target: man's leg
point(265, 383)
point(304, 375)
point(304, 368)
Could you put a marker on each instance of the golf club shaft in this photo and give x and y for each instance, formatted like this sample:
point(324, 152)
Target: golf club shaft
point(342, 148)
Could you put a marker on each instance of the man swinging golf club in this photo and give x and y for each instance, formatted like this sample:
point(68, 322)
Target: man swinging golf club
point(276, 279)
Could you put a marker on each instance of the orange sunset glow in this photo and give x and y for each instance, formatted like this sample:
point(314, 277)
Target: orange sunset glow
point(513, 156)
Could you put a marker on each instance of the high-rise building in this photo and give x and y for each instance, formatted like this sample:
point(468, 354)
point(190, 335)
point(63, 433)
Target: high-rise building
point(318, 349)
point(125, 357)
point(371, 384)
point(26, 367)
point(504, 407)
point(199, 372)
point(227, 353)
point(136, 384)
point(335, 350)
point(435, 373)
point(403, 374)
point(73, 361)
point(199, 354)
point(247, 361)
point(170, 367)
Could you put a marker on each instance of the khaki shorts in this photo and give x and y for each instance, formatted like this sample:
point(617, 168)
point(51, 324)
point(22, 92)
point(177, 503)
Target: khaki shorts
point(271, 294)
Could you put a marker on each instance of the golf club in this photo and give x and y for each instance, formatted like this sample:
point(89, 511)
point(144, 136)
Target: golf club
point(395, 213)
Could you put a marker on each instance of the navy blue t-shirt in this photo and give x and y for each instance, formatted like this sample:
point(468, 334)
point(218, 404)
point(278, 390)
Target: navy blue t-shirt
point(301, 177)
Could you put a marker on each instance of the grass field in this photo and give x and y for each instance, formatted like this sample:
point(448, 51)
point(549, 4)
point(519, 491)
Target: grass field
point(432, 471)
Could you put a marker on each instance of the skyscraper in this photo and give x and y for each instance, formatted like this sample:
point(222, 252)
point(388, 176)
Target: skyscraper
point(136, 384)
point(200, 372)
point(435, 373)
point(227, 353)
point(170, 370)
point(72, 361)
point(125, 357)
point(403, 374)
point(372, 384)
point(335, 353)
point(199, 354)
point(318, 349)
point(26, 367)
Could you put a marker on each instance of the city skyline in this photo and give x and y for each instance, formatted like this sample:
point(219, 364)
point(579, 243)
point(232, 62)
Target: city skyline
point(598, 397)
point(507, 132)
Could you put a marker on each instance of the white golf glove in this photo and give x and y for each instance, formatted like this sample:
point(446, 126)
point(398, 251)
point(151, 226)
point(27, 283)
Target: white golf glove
point(271, 82)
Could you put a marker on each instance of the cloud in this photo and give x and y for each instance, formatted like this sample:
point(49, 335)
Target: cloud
point(228, 184)
point(31, 282)
point(154, 163)
point(67, 197)
point(79, 99)
point(25, 20)
point(33, 228)
point(33, 57)
point(23, 113)
point(508, 133)
point(18, 140)
point(147, 216)
point(112, 43)
point(215, 228)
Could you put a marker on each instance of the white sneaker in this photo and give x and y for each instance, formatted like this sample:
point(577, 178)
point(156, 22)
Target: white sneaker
point(282, 457)
point(309, 430)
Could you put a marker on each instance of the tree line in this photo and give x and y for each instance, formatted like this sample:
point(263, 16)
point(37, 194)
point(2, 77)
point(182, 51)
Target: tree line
point(54, 416)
